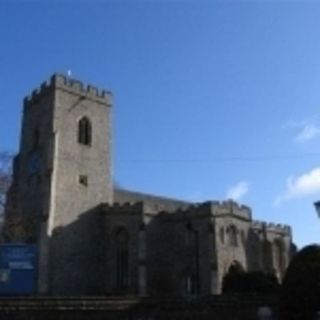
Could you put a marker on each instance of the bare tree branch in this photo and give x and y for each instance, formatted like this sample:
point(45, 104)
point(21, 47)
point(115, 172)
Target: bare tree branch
point(15, 228)
point(5, 176)
point(19, 229)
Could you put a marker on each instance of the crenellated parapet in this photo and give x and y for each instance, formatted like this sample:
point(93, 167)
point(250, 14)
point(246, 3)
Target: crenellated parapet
point(129, 208)
point(271, 227)
point(278, 228)
point(194, 209)
point(259, 225)
point(230, 207)
point(216, 208)
point(71, 85)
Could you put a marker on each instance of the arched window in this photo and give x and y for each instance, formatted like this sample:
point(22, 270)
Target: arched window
point(233, 236)
point(36, 139)
point(222, 235)
point(232, 280)
point(243, 236)
point(191, 284)
point(278, 257)
point(84, 131)
point(122, 264)
point(192, 277)
point(235, 267)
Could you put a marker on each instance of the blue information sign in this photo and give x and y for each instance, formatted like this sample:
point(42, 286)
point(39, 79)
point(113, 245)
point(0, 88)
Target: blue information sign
point(18, 269)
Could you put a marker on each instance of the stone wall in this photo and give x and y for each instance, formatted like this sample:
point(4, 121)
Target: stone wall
point(218, 307)
point(194, 245)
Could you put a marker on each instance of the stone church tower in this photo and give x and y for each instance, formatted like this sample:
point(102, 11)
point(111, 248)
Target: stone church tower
point(63, 170)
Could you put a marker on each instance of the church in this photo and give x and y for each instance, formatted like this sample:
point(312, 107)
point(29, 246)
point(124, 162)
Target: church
point(95, 239)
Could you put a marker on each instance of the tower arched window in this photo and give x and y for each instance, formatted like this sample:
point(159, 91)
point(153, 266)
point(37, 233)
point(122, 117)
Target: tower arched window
point(84, 131)
point(233, 236)
point(122, 259)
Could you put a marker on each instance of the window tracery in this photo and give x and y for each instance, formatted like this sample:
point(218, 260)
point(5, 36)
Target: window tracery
point(84, 131)
point(233, 236)
point(122, 259)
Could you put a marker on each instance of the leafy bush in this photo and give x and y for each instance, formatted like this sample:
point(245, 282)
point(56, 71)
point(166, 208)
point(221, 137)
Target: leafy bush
point(300, 292)
point(252, 282)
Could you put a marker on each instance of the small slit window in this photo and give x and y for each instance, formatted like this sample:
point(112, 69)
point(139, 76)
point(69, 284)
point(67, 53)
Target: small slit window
point(84, 131)
point(83, 180)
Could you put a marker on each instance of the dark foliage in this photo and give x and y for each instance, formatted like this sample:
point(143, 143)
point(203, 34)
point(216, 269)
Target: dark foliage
point(300, 293)
point(253, 282)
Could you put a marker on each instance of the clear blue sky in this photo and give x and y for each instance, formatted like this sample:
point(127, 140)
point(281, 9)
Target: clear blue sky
point(212, 99)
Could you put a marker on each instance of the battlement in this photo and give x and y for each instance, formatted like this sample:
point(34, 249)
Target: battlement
point(271, 227)
point(71, 85)
point(127, 207)
point(217, 208)
point(230, 207)
point(193, 208)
